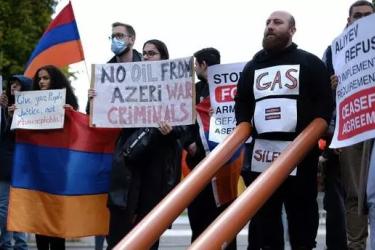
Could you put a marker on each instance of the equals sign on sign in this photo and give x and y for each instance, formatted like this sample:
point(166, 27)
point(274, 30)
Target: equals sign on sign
point(273, 113)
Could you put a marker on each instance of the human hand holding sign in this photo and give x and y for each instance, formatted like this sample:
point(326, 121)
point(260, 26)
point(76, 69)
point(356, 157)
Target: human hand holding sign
point(164, 127)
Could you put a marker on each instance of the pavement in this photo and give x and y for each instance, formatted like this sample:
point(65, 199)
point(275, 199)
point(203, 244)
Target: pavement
point(178, 238)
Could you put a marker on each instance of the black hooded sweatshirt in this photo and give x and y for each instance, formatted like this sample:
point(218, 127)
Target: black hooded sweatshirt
point(290, 78)
point(7, 137)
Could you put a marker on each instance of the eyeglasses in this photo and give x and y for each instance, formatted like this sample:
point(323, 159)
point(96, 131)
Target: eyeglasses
point(118, 36)
point(150, 53)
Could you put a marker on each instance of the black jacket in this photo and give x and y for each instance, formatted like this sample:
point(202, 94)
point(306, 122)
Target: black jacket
point(136, 57)
point(7, 136)
point(146, 166)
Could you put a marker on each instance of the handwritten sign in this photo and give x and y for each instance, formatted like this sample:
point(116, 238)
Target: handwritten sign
point(353, 57)
point(222, 80)
point(42, 109)
point(141, 94)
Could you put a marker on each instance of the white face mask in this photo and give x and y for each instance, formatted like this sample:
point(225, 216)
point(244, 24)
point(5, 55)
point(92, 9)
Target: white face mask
point(118, 46)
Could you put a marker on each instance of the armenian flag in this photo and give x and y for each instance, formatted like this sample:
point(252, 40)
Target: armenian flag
point(224, 183)
point(60, 44)
point(60, 179)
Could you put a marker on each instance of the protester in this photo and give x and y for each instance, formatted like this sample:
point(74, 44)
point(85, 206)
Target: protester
point(210, 202)
point(354, 171)
point(350, 171)
point(122, 41)
point(46, 78)
point(146, 166)
point(281, 90)
point(369, 162)
point(7, 143)
point(333, 185)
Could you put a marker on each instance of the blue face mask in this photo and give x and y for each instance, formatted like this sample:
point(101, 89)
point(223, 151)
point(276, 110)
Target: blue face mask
point(118, 46)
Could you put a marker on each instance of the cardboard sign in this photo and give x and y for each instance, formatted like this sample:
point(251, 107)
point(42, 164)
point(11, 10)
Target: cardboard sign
point(222, 80)
point(42, 109)
point(140, 94)
point(353, 57)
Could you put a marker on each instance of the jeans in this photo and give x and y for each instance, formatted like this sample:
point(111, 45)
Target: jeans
point(371, 197)
point(6, 236)
point(99, 242)
point(334, 204)
point(356, 224)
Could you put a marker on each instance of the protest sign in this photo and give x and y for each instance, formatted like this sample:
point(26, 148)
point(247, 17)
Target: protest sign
point(353, 57)
point(222, 80)
point(42, 109)
point(140, 94)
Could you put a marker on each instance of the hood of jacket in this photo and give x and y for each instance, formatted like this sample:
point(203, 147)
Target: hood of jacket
point(26, 83)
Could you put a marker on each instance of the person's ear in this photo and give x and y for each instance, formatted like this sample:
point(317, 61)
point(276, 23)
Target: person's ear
point(204, 65)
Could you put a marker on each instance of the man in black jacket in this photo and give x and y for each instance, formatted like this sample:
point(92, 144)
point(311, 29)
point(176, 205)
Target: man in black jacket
point(345, 185)
point(280, 92)
point(204, 209)
point(122, 41)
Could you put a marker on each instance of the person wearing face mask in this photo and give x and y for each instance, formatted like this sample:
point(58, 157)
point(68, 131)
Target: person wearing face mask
point(122, 42)
point(123, 38)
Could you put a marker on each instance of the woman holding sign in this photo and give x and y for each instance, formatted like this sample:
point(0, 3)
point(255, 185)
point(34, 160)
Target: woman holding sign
point(46, 78)
point(146, 166)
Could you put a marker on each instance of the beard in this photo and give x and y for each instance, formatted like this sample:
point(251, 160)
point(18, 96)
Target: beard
point(275, 42)
point(201, 78)
point(124, 52)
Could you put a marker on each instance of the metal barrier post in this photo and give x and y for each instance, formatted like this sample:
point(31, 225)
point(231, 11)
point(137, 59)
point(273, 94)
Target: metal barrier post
point(235, 217)
point(162, 216)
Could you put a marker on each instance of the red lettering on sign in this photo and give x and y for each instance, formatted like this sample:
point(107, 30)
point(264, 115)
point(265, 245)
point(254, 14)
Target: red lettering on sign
point(225, 93)
point(357, 114)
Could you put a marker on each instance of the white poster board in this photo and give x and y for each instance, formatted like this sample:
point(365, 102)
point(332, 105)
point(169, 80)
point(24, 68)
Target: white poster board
point(140, 94)
point(353, 57)
point(222, 80)
point(41, 109)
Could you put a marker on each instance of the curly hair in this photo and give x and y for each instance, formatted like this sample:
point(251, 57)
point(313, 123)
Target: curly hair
point(57, 81)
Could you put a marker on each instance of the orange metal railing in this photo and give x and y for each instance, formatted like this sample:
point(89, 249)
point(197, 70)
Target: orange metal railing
point(234, 218)
point(161, 217)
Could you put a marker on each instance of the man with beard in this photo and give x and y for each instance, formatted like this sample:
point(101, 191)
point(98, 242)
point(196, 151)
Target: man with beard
point(123, 38)
point(281, 90)
point(210, 202)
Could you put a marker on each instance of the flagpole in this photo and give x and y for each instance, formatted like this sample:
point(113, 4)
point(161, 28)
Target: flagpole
point(80, 37)
point(84, 61)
